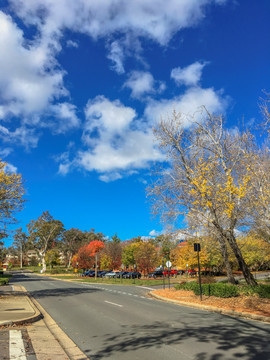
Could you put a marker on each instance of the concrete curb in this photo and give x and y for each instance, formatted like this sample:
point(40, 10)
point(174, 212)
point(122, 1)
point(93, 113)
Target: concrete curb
point(214, 309)
point(69, 347)
point(30, 319)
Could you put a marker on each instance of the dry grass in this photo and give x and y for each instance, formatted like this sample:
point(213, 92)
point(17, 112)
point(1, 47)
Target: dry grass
point(247, 304)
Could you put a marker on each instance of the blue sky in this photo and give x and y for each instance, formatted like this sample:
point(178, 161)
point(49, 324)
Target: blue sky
point(82, 83)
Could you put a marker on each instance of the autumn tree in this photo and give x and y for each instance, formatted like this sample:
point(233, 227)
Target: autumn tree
point(113, 250)
point(70, 242)
point(11, 196)
point(146, 257)
point(44, 233)
point(128, 253)
point(52, 257)
point(83, 259)
point(208, 175)
point(21, 244)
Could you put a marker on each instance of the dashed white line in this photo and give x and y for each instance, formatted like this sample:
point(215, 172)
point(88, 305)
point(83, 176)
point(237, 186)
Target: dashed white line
point(108, 302)
point(16, 345)
point(144, 287)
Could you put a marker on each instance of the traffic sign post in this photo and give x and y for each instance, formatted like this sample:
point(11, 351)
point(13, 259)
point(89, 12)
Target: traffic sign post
point(168, 264)
point(197, 247)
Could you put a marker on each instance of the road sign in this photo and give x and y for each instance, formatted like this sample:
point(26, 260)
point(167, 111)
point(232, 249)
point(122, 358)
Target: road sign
point(197, 247)
point(168, 264)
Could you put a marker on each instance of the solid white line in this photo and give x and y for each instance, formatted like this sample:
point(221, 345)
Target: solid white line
point(144, 287)
point(108, 302)
point(16, 346)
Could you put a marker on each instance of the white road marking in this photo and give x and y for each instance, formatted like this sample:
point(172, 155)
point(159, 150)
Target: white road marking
point(144, 287)
point(108, 302)
point(16, 345)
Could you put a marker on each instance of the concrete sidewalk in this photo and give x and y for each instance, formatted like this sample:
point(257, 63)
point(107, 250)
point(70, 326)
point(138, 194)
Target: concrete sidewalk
point(48, 340)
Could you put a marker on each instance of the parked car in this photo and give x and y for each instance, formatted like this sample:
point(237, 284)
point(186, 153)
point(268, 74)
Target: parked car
point(155, 274)
point(102, 273)
point(121, 274)
point(111, 274)
point(132, 275)
point(192, 272)
point(88, 273)
point(171, 272)
point(180, 272)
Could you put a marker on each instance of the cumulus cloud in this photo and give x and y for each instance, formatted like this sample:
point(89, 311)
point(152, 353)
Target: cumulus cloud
point(190, 75)
point(187, 103)
point(140, 82)
point(115, 141)
point(98, 18)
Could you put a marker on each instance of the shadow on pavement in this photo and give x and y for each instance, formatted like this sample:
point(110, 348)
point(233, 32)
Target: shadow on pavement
point(232, 340)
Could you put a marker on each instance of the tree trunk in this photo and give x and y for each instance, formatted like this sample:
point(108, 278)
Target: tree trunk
point(224, 253)
point(241, 262)
point(43, 262)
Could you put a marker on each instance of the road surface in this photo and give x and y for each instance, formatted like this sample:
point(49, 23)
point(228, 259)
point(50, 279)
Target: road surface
point(118, 322)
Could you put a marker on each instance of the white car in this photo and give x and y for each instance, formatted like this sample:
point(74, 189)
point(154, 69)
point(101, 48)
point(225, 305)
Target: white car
point(111, 274)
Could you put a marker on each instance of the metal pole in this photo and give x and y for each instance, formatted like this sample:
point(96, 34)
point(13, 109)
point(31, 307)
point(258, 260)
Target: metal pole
point(200, 281)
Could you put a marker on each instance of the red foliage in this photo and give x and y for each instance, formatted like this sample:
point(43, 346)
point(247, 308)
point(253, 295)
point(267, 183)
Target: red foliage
point(85, 256)
point(95, 247)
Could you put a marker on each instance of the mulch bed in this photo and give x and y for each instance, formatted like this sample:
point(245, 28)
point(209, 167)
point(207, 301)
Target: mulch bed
point(247, 304)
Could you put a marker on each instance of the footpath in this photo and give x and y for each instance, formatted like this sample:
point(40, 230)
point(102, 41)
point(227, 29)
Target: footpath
point(27, 332)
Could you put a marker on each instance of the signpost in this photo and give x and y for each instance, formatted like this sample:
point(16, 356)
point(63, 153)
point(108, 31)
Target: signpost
point(197, 247)
point(168, 264)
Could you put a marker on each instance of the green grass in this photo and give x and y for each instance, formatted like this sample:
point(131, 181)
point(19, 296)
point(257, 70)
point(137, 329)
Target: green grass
point(143, 282)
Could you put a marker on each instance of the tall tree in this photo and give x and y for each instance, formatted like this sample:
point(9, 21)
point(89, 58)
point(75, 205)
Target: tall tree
point(11, 196)
point(21, 244)
point(146, 257)
point(70, 242)
point(44, 233)
point(208, 175)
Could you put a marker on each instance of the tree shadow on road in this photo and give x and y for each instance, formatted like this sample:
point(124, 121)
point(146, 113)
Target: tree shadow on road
point(230, 339)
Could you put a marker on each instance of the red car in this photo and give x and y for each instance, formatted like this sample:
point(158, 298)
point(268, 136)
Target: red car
point(171, 272)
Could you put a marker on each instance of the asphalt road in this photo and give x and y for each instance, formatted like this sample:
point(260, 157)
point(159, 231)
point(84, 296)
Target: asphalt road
point(123, 323)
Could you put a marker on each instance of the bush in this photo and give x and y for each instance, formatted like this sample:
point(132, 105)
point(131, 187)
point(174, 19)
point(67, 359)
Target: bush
point(4, 281)
point(223, 290)
point(191, 285)
point(263, 290)
point(216, 289)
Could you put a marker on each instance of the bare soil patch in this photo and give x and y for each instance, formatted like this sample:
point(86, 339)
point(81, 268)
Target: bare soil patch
point(247, 304)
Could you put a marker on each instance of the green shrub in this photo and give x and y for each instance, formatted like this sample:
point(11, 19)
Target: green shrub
point(4, 281)
point(216, 289)
point(190, 285)
point(223, 290)
point(263, 290)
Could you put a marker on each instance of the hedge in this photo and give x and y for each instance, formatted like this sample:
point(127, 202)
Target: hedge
point(226, 290)
point(4, 281)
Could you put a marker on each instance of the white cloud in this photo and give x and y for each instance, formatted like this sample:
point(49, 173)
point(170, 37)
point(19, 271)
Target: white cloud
point(187, 103)
point(26, 87)
point(140, 82)
point(10, 168)
point(98, 18)
point(116, 55)
point(155, 233)
point(65, 117)
point(117, 143)
point(71, 43)
point(190, 75)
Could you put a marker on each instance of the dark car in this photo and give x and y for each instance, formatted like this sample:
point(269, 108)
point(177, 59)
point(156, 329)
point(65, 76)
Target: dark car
point(89, 273)
point(155, 274)
point(101, 273)
point(121, 274)
point(132, 275)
